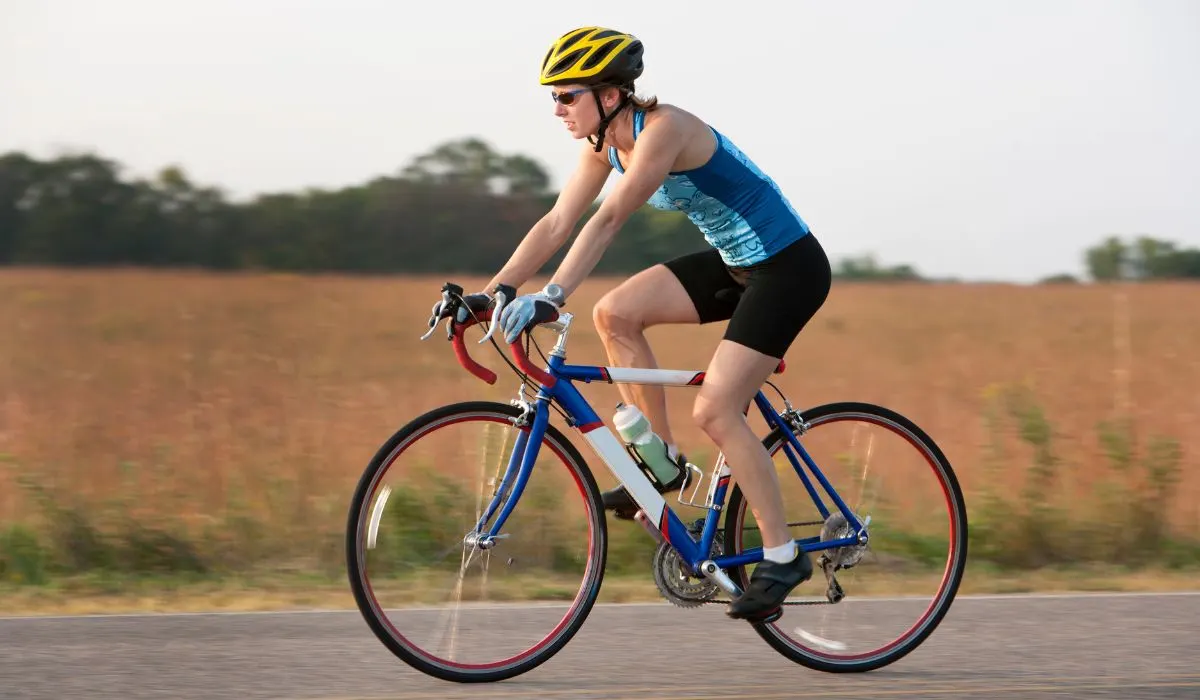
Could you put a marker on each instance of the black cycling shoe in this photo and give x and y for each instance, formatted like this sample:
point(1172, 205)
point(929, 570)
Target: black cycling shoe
point(769, 587)
point(622, 504)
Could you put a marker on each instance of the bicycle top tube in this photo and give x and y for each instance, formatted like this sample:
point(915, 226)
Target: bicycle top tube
point(562, 324)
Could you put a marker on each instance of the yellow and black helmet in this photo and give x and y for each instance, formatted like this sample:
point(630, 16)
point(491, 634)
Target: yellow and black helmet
point(593, 56)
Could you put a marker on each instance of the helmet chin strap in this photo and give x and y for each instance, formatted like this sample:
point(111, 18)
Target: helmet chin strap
point(606, 119)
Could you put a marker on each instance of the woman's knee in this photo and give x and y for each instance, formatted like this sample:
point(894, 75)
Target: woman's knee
point(714, 417)
point(651, 297)
point(617, 313)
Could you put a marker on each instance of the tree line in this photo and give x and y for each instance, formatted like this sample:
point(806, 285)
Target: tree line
point(462, 207)
point(1141, 258)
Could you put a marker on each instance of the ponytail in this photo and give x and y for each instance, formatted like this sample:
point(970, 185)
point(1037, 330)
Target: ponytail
point(643, 104)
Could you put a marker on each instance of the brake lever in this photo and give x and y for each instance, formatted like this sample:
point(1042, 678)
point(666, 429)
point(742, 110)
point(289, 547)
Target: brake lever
point(432, 328)
point(501, 300)
point(447, 303)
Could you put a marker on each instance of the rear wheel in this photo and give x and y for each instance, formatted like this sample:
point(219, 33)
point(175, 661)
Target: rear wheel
point(448, 604)
point(891, 593)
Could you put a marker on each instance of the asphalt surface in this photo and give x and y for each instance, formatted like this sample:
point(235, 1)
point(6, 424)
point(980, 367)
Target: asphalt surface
point(1079, 646)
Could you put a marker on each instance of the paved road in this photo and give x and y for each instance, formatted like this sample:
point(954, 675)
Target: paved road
point(1101, 646)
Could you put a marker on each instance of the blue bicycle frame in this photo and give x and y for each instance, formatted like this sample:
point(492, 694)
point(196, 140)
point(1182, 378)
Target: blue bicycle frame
point(557, 384)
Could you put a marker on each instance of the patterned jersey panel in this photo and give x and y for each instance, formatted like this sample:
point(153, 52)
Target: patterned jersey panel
point(739, 209)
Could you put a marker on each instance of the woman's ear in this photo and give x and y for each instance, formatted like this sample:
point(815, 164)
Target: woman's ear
point(612, 97)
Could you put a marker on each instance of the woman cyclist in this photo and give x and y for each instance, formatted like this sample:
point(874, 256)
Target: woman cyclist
point(765, 272)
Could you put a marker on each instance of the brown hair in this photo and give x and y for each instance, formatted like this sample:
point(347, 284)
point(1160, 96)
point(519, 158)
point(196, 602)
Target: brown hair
point(641, 103)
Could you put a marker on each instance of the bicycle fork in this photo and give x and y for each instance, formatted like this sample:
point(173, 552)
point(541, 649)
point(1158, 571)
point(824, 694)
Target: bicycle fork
point(516, 473)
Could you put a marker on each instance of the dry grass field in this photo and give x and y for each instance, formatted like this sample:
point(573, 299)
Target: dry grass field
point(245, 406)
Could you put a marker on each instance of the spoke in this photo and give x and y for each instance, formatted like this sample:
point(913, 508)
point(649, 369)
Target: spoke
point(468, 554)
point(452, 613)
point(862, 482)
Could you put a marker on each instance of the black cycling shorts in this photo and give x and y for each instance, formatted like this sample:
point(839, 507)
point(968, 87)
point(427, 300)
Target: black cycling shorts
point(766, 304)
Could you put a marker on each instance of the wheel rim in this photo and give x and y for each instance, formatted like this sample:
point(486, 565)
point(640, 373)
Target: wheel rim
point(503, 622)
point(881, 615)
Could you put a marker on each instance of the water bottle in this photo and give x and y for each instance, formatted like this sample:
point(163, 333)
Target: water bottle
point(634, 428)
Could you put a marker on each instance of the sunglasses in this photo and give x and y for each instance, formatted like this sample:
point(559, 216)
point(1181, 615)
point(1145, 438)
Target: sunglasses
point(569, 97)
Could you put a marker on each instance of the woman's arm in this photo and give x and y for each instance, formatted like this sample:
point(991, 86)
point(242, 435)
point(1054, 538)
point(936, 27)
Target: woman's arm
point(659, 145)
point(553, 229)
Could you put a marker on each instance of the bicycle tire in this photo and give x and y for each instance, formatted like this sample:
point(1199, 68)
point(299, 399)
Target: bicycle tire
point(359, 510)
point(956, 569)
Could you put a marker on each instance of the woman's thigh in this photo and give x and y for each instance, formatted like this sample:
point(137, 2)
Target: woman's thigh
point(682, 290)
point(782, 295)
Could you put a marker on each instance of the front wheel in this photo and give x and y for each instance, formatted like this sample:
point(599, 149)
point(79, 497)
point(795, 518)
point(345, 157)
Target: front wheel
point(866, 606)
point(442, 599)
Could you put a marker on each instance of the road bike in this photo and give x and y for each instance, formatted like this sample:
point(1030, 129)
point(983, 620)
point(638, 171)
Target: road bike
point(502, 554)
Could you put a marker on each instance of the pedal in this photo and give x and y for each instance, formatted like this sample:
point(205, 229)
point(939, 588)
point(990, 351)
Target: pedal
point(767, 618)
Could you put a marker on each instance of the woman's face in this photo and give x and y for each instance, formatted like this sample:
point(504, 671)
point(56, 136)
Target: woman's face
point(575, 105)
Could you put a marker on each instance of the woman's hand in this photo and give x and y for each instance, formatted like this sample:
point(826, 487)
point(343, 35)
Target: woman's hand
point(528, 310)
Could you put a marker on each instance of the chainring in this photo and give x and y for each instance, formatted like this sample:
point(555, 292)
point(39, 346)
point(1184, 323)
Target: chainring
point(677, 585)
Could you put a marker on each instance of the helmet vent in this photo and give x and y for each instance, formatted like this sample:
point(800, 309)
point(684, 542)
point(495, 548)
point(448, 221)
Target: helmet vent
point(567, 61)
point(598, 57)
point(573, 39)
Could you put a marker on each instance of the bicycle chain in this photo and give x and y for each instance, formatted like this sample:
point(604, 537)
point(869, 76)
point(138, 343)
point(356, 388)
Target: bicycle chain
point(804, 602)
point(799, 602)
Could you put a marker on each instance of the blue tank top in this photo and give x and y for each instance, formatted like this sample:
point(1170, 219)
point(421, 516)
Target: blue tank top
point(740, 210)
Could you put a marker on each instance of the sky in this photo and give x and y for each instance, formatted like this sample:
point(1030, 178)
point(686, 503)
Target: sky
point(982, 141)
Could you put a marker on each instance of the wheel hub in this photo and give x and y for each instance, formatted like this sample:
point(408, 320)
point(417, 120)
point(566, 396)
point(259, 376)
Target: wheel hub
point(837, 527)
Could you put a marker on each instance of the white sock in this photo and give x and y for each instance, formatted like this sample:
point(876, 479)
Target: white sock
point(673, 451)
point(783, 553)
